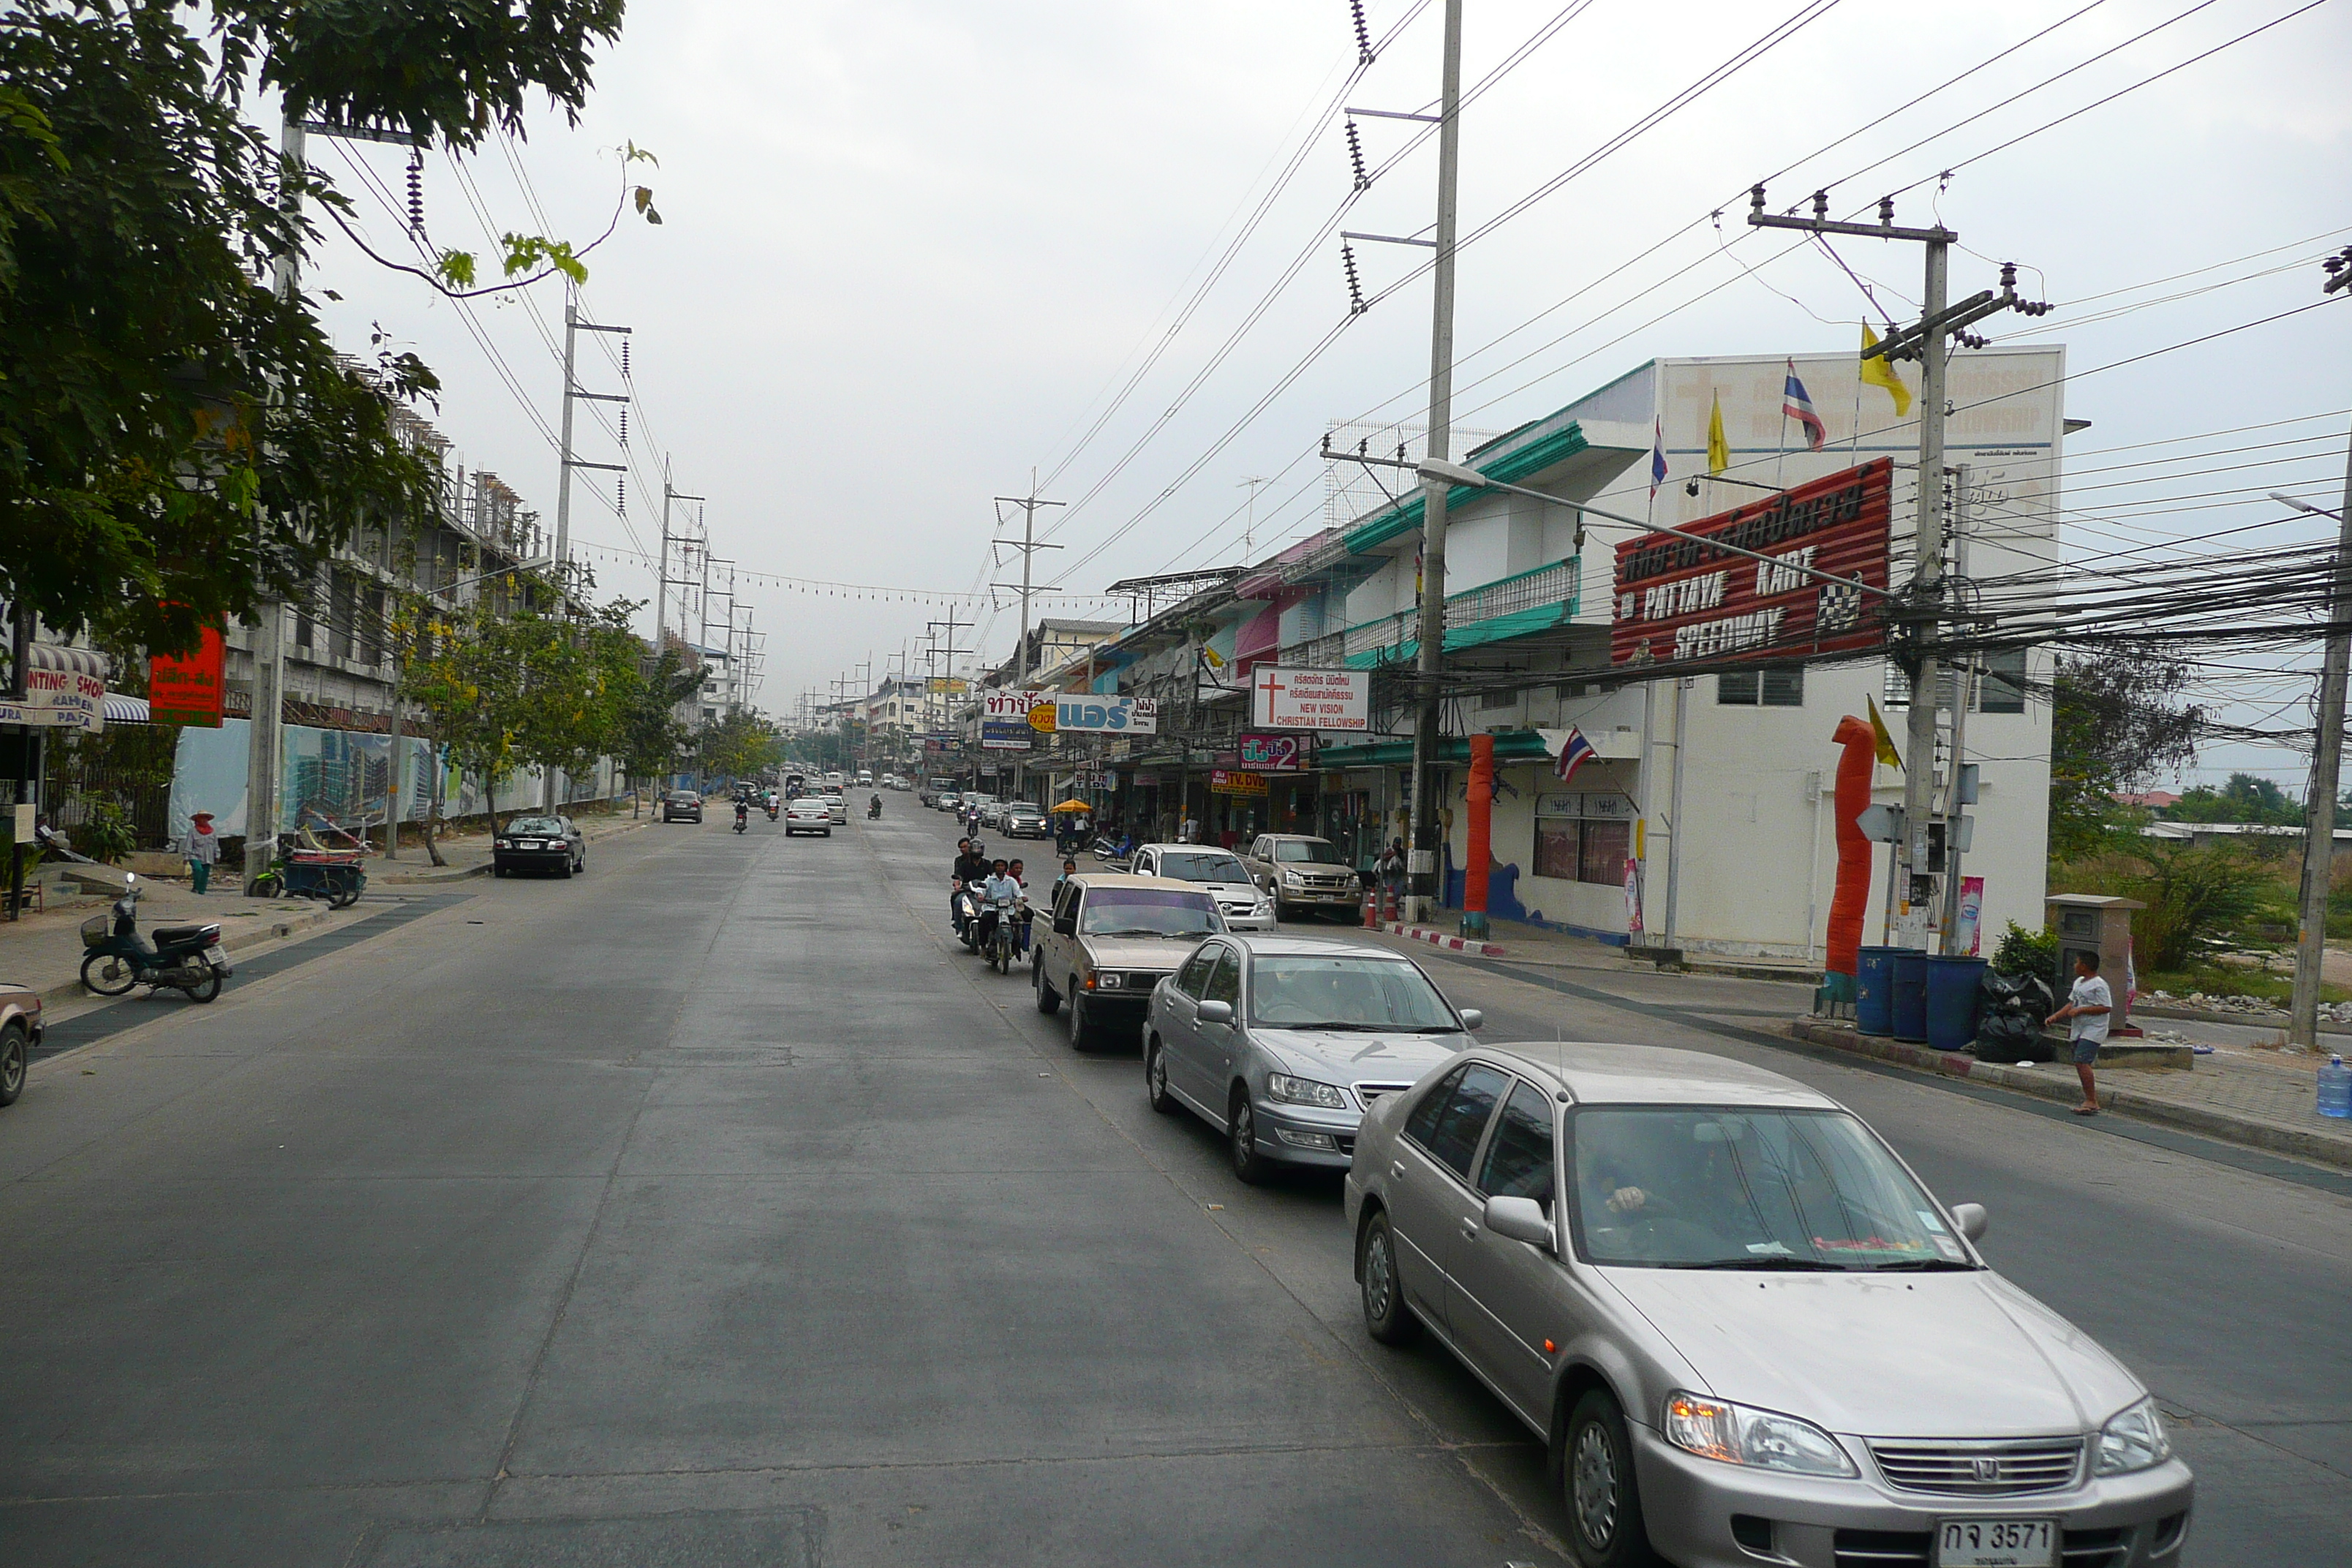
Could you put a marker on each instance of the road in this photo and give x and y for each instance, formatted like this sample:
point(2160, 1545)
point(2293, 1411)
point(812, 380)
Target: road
point(711, 1208)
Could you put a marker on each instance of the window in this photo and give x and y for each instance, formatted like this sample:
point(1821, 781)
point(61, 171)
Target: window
point(1518, 1159)
point(1556, 848)
point(1307, 852)
point(1148, 911)
point(2002, 689)
point(1293, 991)
point(1601, 858)
point(1490, 700)
point(1781, 686)
point(1194, 975)
point(1462, 1109)
point(1226, 980)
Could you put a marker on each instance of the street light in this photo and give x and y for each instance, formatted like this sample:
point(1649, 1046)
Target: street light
point(2285, 500)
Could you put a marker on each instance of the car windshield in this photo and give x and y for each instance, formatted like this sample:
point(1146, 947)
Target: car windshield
point(1291, 991)
point(1202, 866)
point(1025, 811)
point(1709, 1187)
point(534, 824)
point(1307, 851)
point(1146, 911)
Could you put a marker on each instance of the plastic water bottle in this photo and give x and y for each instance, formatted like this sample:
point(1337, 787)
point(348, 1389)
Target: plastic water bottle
point(2335, 1088)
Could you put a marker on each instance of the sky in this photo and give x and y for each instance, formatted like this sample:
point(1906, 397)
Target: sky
point(918, 254)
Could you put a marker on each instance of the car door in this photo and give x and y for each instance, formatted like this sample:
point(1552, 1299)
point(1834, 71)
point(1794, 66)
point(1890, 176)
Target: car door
point(1062, 952)
point(1429, 1179)
point(1260, 860)
point(1181, 1022)
point(1146, 863)
point(1508, 1295)
point(1208, 1051)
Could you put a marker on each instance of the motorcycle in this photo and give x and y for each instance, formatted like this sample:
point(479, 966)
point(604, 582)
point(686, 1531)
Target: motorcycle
point(966, 908)
point(774, 808)
point(186, 956)
point(1005, 933)
point(742, 816)
point(874, 809)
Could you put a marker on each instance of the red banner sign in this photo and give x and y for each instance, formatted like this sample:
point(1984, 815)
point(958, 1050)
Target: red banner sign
point(1679, 602)
point(188, 690)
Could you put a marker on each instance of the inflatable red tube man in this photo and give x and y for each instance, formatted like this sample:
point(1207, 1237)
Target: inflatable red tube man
point(1851, 899)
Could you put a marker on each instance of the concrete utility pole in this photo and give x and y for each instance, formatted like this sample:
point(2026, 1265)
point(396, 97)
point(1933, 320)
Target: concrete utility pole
point(1913, 892)
point(663, 578)
point(1429, 664)
point(1028, 546)
point(572, 327)
point(2328, 752)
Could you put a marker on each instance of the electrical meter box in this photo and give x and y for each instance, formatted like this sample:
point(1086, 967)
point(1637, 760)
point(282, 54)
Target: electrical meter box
point(2090, 922)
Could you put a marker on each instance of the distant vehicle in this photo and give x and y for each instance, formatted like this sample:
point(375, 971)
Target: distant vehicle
point(1283, 1042)
point(1216, 870)
point(539, 844)
point(1109, 939)
point(836, 805)
point(681, 805)
point(1024, 819)
point(1299, 873)
point(866, 778)
point(1702, 1284)
point(20, 1035)
point(948, 800)
point(808, 815)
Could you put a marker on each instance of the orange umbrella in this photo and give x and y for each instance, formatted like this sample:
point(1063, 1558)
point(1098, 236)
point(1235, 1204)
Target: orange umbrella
point(1074, 805)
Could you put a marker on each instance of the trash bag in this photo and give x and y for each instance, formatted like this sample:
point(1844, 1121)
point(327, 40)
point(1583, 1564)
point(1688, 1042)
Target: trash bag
point(2011, 1009)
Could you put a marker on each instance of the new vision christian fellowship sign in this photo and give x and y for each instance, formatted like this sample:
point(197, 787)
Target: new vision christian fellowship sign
point(1291, 698)
point(1676, 600)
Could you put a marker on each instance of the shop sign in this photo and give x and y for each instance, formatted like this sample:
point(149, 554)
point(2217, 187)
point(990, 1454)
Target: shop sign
point(1006, 735)
point(1277, 753)
point(1678, 600)
point(1599, 804)
point(187, 690)
point(1285, 698)
point(948, 685)
point(1012, 705)
point(65, 688)
point(1112, 715)
point(1227, 781)
point(1041, 718)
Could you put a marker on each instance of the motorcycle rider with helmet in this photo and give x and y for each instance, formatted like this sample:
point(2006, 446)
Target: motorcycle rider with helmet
point(970, 870)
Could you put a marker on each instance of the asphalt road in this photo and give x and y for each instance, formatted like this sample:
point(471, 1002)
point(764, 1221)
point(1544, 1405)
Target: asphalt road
point(713, 1209)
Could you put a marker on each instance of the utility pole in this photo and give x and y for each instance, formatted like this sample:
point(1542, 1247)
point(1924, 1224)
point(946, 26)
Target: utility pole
point(1430, 663)
point(2327, 751)
point(572, 327)
point(1028, 546)
point(1912, 894)
point(663, 579)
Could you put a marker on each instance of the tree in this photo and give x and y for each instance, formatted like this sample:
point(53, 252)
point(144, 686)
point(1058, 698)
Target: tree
point(741, 745)
point(651, 738)
point(2244, 798)
point(177, 440)
point(2117, 721)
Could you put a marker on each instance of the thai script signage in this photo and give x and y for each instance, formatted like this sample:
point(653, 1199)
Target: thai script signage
point(186, 689)
point(1276, 754)
point(1287, 698)
point(1114, 715)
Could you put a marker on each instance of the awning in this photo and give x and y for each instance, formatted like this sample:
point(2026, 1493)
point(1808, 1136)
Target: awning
point(127, 710)
point(67, 660)
point(65, 688)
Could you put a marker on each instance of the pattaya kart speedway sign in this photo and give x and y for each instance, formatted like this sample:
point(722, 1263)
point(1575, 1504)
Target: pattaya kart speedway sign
point(1292, 698)
point(1677, 600)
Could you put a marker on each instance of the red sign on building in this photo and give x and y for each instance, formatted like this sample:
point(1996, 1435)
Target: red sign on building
point(187, 690)
point(1679, 602)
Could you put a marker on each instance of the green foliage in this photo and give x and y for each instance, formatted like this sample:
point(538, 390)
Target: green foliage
point(652, 739)
point(2117, 722)
point(2244, 798)
point(106, 833)
point(740, 746)
point(2198, 895)
point(2024, 952)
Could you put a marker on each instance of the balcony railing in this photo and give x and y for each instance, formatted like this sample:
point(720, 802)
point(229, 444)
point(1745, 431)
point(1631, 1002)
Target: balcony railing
point(1553, 584)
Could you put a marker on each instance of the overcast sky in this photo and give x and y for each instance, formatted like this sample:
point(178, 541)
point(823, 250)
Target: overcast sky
point(913, 250)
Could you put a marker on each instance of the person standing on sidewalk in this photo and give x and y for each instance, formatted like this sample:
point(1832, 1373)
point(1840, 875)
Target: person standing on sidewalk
point(2088, 1004)
point(202, 848)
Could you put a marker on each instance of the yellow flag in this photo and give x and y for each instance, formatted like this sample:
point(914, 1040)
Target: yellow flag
point(1886, 753)
point(1878, 371)
point(1718, 450)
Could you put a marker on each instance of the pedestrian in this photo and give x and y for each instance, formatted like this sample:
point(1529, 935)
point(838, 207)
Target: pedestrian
point(202, 848)
point(2088, 1005)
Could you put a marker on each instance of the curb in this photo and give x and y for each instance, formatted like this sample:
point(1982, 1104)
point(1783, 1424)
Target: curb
point(250, 936)
point(1436, 938)
point(2229, 1126)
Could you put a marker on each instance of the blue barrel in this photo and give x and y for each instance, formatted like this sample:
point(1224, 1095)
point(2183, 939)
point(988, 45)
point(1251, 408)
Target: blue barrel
point(1873, 991)
point(1952, 995)
point(1910, 995)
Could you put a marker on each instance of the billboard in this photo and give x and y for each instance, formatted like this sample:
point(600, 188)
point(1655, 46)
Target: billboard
point(1223, 781)
point(1678, 600)
point(1107, 715)
point(1283, 698)
point(1005, 734)
point(1276, 754)
point(186, 689)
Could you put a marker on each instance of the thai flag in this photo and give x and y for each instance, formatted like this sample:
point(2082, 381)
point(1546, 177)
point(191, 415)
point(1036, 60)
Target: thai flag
point(1657, 458)
point(1574, 752)
point(1796, 405)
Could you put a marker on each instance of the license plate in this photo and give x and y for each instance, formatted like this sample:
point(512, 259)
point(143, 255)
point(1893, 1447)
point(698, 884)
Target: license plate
point(1996, 1543)
point(215, 957)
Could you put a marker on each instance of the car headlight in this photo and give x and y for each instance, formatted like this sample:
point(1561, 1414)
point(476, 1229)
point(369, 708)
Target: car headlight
point(1111, 982)
point(1293, 879)
point(1303, 1091)
point(1717, 1429)
point(2133, 1440)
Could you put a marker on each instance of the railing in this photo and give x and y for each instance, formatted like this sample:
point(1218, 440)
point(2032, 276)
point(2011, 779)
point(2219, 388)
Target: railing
point(1553, 584)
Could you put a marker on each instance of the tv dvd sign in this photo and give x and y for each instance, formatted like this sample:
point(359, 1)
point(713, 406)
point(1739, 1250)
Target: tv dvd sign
point(1111, 715)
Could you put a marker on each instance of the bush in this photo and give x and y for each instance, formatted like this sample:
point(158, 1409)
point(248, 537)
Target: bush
point(2024, 952)
point(106, 834)
point(2195, 896)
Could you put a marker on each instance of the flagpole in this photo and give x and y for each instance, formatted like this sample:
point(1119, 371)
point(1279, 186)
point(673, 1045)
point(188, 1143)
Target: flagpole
point(1780, 452)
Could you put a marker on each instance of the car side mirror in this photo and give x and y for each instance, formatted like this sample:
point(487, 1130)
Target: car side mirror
point(1472, 1018)
point(1972, 1220)
point(1067, 927)
point(1521, 1219)
point(1216, 1012)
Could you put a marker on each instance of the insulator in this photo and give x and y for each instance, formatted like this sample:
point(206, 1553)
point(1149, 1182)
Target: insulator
point(625, 425)
point(1886, 212)
point(620, 493)
point(624, 359)
point(1356, 157)
point(1363, 33)
point(1356, 306)
point(416, 190)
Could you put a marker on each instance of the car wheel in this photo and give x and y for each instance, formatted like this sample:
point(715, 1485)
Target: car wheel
point(1604, 1505)
point(1049, 1001)
point(13, 1051)
point(1155, 1078)
point(106, 974)
point(1078, 1024)
point(564, 870)
point(1242, 1138)
point(1386, 1317)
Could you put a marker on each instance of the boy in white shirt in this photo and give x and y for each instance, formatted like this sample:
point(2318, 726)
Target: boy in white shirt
point(2088, 1005)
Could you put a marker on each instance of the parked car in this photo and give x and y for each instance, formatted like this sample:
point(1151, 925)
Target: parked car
point(1108, 940)
point(681, 805)
point(1025, 820)
point(539, 844)
point(20, 1036)
point(1300, 873)
point(808, 815)
point(1218, 871)
point(1283, 1042)
point(1705, 1285)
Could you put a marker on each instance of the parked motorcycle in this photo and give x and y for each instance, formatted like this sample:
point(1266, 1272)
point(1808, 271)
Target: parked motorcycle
point(188, 957)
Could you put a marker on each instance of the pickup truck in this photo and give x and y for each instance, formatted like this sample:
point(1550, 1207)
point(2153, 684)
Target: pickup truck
point(1108, 940)
point(1300, 873)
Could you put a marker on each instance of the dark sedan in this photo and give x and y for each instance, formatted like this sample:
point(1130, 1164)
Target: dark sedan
point(539, 844)
point(681, 805)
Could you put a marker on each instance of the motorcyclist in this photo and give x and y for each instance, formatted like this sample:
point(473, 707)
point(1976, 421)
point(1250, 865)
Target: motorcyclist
point(971, 869)
point(742, 810)
point(1000, 894)
point(1014, 869)
point(874, 804)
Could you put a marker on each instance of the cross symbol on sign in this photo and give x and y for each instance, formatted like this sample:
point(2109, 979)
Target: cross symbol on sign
point(1273, 687)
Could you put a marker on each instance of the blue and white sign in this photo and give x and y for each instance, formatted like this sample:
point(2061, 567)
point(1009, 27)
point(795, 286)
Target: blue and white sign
point(1116, 715)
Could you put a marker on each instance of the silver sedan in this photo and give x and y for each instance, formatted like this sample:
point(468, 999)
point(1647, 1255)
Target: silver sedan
point(1747, 1330)
point(1282, 1042)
